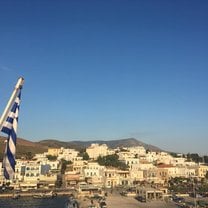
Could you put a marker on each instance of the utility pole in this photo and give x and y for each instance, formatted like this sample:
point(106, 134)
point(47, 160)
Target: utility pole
point(194, 192)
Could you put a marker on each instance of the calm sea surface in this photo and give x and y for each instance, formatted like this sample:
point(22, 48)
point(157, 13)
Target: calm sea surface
point(29, 202)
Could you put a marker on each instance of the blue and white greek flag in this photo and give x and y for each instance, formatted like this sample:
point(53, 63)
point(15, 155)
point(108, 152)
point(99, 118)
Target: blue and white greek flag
point(10, 128)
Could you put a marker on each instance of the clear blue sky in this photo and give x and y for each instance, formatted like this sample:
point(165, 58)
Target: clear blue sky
point(108, 70)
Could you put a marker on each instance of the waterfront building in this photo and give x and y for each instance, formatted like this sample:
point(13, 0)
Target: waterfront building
point(151, 175)
point(19, 170)
point(89, 190)
point(78, 164)
point(162, 173)
point(136, 174)
point(72, 178)
point(165, 172)
point(115, 177)
point(111, 178)
point(32, 171)
point(34, 174)
point(47, 180)
point(150, 193)
point(54, 165)
point(94, 173)
point(124, 178)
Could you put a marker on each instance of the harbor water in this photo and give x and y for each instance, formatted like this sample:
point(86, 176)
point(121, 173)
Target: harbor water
point(30, 202)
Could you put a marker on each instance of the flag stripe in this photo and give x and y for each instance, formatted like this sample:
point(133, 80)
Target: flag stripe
point(10, 127)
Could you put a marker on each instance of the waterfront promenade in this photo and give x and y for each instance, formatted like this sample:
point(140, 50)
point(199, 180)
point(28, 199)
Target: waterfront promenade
point(115, 200)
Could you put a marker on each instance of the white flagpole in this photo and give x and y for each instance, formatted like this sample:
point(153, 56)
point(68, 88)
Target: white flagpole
point(18, 86)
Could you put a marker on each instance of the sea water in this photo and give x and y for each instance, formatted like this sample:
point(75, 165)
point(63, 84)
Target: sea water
point(29, 202)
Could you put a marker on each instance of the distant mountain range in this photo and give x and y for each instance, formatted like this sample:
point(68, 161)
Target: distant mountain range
point(25, 146)
point(130, 142)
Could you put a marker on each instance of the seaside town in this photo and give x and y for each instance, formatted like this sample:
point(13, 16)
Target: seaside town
point(99, 171)
point(92, 77)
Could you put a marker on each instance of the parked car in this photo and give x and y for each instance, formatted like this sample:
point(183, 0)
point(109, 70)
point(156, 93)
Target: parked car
point(103, 204)
point(178, 199)
point(141, 198)
point(96, 197)
point(123, 193)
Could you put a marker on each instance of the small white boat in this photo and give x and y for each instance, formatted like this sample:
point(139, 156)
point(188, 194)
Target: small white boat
point(45, 195)
point(72, 203)
point(16, 196)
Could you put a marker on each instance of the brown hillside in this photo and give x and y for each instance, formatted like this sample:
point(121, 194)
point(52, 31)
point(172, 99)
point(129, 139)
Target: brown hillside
point(23, 147)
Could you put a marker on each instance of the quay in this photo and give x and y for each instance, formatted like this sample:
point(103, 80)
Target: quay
point(31, 194)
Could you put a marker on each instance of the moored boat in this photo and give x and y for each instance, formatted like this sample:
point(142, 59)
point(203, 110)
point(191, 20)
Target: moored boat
point(71, 203)
point(16, 196)
point(45, 195)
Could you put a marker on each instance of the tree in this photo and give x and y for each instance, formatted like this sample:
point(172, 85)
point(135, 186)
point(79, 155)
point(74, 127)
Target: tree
point(179, 184)
point(59, 181)
point(51, 157)
point(112, 161)
point(206, 176)
point(206, 159)
point(28, 155)
point(173, 154)
point(147, 151)
point(64, 164)
point(84, 154)
point(194, 157)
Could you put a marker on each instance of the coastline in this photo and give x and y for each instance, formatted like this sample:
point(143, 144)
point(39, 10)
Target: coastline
point(30, 194)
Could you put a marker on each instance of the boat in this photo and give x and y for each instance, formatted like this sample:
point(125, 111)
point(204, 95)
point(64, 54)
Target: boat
point(72, 203)
point(16, 196)
point(45, 195)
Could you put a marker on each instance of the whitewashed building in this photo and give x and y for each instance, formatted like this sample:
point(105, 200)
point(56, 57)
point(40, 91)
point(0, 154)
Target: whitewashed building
point(138, 150)
point(96, 150)
point(94, 173)
point(67, 154)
